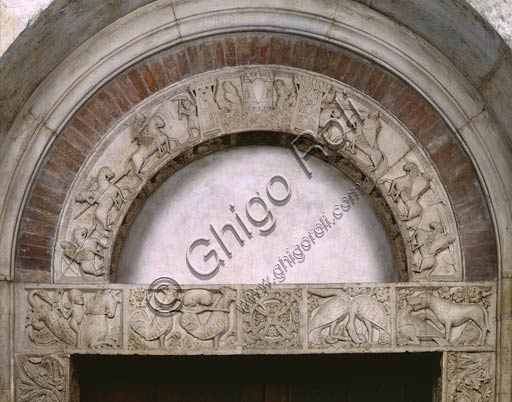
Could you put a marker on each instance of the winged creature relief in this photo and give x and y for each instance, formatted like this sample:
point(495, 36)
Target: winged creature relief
point(207, 318)
point(74, 319)
point(337, 318)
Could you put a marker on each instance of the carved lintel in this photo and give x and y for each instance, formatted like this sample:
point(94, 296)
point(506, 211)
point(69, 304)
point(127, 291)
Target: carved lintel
point(43, 378)
point(469, 377)
point(328, 318)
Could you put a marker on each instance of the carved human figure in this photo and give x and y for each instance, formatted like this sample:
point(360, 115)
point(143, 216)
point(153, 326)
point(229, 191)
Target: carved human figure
point(451, 315)
point(188, 110)
point(228, 97)
point(430, 243)
point(104, 195)
point(85, 251)
point(285, 94)
point(343, 126)
point(150, 138)
point(408, 190)
point(74, 311)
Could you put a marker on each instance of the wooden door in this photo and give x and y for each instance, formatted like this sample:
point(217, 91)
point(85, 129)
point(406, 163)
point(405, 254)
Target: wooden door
point(308, 378)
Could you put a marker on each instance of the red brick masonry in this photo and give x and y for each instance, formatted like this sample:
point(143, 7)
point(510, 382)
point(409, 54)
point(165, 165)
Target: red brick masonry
point(110, 103)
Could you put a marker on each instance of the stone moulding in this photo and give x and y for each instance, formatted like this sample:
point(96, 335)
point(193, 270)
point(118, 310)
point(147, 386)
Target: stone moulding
point(233, 319)
point(257, 98)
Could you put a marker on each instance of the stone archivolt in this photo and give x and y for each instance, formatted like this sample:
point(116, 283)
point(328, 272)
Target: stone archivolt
point(256, 99)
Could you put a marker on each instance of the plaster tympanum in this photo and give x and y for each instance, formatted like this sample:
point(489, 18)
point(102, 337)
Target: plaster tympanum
point(202, 194)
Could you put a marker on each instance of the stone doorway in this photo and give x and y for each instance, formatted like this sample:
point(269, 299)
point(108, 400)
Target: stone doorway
point(305, 378)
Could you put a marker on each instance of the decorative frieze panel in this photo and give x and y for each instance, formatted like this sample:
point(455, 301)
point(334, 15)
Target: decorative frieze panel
point(78, 319)
point(234, 319)
point(458, 316)
point(204, 319)
point(469, 377)
point(349, 317)
point(274, 321)
point(42, 378)
point(256, 99)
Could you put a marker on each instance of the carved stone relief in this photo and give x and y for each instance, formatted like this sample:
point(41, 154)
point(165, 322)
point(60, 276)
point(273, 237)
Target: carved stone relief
point(42, 378)
point(74, 318)
point(350, 317)
point(309, 319)
point(252, 99)
point(456, 316)
point(274, 321)
point(206, 319)
point(469, 377)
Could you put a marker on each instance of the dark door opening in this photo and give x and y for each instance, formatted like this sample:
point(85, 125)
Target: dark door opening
point(263, 378)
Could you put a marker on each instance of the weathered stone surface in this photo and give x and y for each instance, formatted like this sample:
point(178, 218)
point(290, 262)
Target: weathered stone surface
point(167, 318)
point(244, 100)
point(431, 131)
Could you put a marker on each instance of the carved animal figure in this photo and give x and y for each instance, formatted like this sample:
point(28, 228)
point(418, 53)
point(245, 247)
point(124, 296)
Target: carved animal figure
point(373, 315)
point(408, 189)
point(365, 140)
point(150, 138)
point(45, 315)
point(103, 193)
point(151, 327)
point(430, 243)
point(84, 251)
point(415, 330)
point(330, 314)
point(206, 319)
point(452, 314)
point(101, 309)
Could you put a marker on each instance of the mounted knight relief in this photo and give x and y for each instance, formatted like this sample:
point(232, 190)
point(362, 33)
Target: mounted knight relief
point(256, 99)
